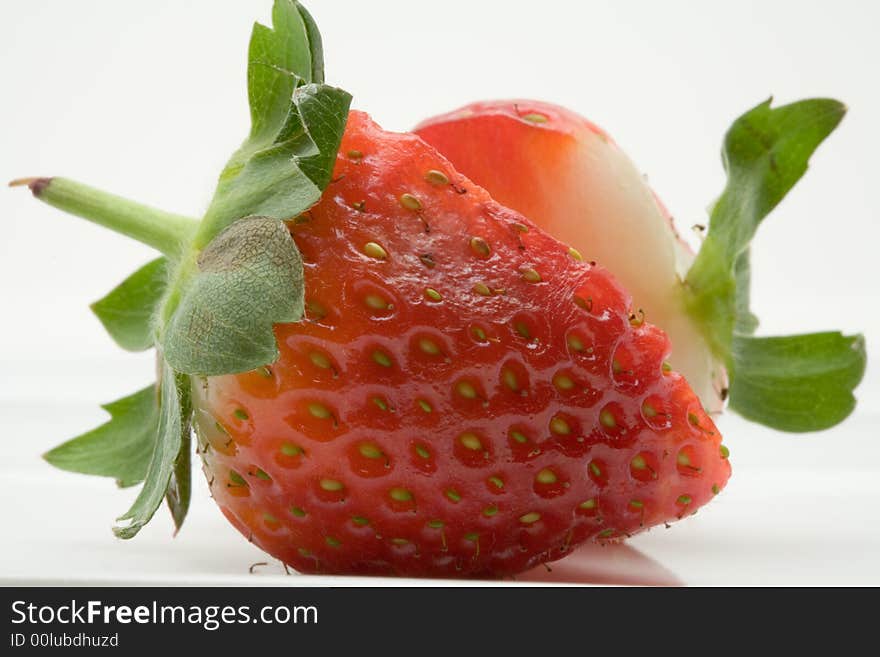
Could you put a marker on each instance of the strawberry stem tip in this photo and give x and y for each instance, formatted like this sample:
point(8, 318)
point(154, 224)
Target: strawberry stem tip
point(166, 232)
point(36, 185)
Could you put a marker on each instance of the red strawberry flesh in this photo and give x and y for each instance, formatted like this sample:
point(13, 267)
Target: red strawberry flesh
point(465, 397)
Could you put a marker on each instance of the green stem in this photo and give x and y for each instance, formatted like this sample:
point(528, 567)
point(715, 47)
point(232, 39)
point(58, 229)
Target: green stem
point(165, 232)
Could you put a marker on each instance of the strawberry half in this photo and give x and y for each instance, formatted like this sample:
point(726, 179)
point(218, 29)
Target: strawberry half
point(467, 396)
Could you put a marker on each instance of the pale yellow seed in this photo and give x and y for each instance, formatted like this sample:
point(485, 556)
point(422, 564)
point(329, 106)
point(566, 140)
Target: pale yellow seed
point(381, 358)
point(606, 418)
point(375, 251)
point(471, 441)
point(574, 253)
point(320, 411)
point(410, 202)
point(331, 485)
point(534, 117)
point(370, 451)
point(530, 518)
point(319, 360)
point(376, 302)
point(400, 495)
point(436, 177)
point(586, 304)
point(531, 276)
point(289, 449)
point(466, 390)
point(480, 247)
point(510, 380)
point(519, 437)
point(559, 426)
point(563, 382)
point(433, 294)
point(482, 289)
point(546, 476)
point(429, 347)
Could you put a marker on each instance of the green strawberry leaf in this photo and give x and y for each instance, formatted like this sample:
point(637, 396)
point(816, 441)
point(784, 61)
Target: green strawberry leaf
point(746, 321)
point(296, 125)
point(766, 151)
point(797, 383)
point(211, 304)
point(219, 312)
point(283, 176)
point(249, 278)
point(120, 448)
point(316, 46)
point(794, 383)
point(279, 59)
point(179, 490)
point(127, 311)
point(172, 432)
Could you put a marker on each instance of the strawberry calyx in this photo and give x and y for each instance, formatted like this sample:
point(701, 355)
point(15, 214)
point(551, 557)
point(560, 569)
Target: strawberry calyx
point(793, 383)
point(209, 304)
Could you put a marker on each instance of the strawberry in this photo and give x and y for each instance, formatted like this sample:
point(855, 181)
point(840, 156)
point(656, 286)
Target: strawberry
point(466, 396)
point(571, 178)
point(390, 371)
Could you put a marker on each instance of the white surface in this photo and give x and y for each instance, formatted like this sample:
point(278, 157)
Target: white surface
point(148, 101)
point(798, 510)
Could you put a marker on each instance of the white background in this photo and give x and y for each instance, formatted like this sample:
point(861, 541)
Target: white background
point(148, 100)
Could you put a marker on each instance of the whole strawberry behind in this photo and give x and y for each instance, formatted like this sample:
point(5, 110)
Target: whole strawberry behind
point(388, 371)
point(571, 179)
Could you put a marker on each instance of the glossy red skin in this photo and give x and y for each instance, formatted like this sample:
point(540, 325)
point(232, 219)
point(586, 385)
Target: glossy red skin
point(245, 420)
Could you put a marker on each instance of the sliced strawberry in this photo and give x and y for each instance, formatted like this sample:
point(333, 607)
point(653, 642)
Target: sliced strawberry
point(467, 396)
point(572, 180)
